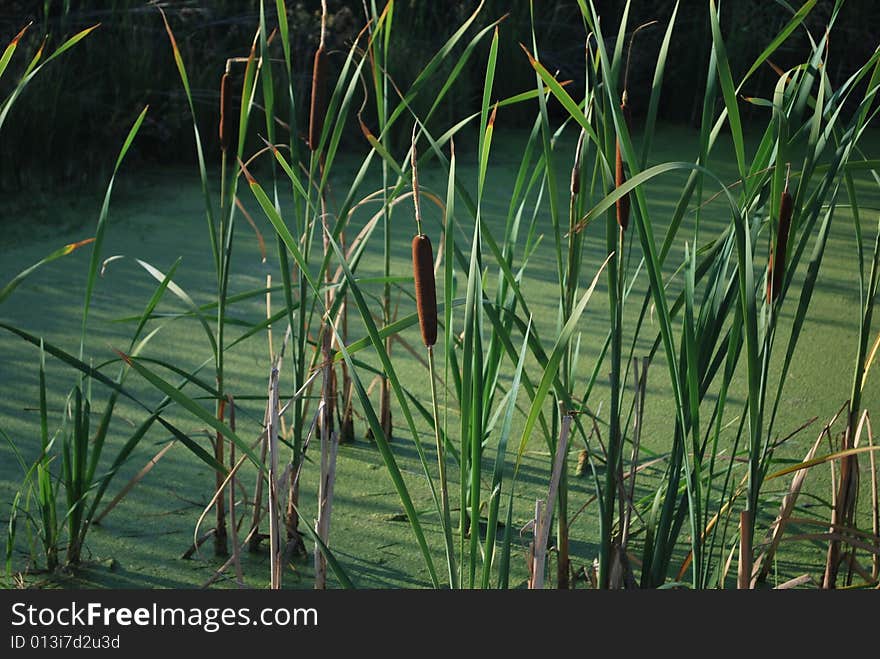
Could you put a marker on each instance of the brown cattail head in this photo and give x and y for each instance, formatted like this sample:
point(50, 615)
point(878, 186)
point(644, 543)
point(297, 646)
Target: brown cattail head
point(619, 174)
point(225, 112)
point(575, 181)
point(426, 291)
point(777, 259)
point(319, 98)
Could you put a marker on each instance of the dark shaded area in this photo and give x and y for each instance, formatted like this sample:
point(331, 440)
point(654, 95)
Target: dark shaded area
point(68, 125)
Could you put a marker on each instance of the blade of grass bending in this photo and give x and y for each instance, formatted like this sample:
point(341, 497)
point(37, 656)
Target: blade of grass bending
point(10, 49)
point(389, 330)
point(552, 366)
point(727, 89)
point(656, 88)
point(32, 70)
point(639, 179)
point(69, 359)
point(203, 174)
point(780, 38)
point(570, 105)
point(282, 230)
point(102, 223)
point(332, 561)
point(191, 406)
point(182, 295)
point(6, 291)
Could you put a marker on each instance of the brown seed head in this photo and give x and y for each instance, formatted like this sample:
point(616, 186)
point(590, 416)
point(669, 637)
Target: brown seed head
point(777, 261)
point(619, 174)
point(426, 291)
point(319, 98)
point(225, 112)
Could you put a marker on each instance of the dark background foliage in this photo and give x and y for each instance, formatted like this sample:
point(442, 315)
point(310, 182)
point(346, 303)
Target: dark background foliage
point(70, 121)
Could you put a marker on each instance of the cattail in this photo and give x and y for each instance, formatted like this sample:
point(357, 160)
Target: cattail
point(426, 291)
point(583, 463)
point(319, 100)
point(225, 112)
point(619, 175)
point(777, 259)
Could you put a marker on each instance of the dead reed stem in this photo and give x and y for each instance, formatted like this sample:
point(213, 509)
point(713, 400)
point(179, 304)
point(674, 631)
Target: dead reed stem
point(236, 555)
point(744, 575)
point(220, 545)
point(777, 529)
point(875, 501)
point(543, 521)
point(844, 505)
point(274, 521)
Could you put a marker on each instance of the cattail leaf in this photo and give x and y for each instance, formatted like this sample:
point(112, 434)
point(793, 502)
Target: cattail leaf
point(95, 261)
point(191, 406)
point(727, 89)
point(6, 291)
point(550, 369)
point(643, 177)
point(656, 88)
point(181, 294)
point(10, 49)
point(203, 174)
point(780, 38)
point(294, 179)
point(567, 101)
point(72, 41)
point(282, 230)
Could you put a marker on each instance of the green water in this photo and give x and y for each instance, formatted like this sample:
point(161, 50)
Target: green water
point(157, 216)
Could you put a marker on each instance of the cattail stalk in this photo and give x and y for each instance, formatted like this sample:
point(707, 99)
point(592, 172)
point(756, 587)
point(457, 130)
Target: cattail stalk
point(426, 305)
